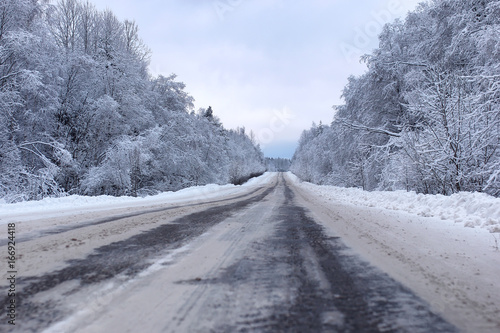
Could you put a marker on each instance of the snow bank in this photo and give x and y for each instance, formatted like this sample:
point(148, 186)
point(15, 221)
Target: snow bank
point(77, 202)
point(470, 209)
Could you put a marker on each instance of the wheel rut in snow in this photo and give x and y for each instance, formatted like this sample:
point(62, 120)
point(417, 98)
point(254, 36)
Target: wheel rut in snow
point(344, 294)
point(300, 280)
point(292, 279)
point(125, 258)
point(61, 229)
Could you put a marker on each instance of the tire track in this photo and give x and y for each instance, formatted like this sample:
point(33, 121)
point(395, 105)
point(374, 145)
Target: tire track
point(93, 222)
point(299, 280)
point(271, 269)
point(125, 258)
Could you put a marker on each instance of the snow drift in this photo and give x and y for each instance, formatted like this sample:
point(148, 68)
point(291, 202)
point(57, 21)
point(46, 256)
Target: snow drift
point(470, 209)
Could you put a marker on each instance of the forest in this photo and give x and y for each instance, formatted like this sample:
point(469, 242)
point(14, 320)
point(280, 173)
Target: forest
point(425, 116)
point(81, 114)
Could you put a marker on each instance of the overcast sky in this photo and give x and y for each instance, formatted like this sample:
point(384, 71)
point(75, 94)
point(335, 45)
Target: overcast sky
point(272, 66)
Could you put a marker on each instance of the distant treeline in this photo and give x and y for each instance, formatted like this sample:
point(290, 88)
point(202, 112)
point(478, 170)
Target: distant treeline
point(278, 164)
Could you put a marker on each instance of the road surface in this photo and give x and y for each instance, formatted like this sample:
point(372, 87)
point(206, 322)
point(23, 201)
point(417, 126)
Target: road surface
point(256, 262)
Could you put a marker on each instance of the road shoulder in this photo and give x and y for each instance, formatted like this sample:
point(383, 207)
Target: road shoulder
point(453, 268)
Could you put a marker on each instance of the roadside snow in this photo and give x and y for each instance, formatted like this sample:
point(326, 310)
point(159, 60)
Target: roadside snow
point(78, 203)
point(469, 209)
point(420, 240)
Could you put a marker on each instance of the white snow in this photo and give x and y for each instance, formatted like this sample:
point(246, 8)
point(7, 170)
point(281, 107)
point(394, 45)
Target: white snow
point(466, 208)
point(420, 240)
point(51, 207)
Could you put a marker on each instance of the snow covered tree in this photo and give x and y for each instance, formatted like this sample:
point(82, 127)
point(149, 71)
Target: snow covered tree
point(426, 114)
point(80, 113)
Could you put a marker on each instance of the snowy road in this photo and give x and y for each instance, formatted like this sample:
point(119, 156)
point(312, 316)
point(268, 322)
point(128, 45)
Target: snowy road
point(266, 260)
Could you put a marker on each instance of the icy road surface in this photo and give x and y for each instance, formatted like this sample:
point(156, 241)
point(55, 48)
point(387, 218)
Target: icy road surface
point(271, 258)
